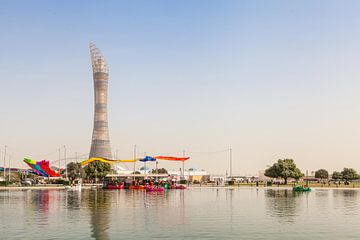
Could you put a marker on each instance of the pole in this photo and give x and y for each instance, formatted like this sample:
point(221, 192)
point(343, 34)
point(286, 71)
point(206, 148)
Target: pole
point(157, 171)
point(4, 161)
point(230, 163)
point(65, 162)
point(9, 168)
point(145, 165)
point(183, 166)
point(59, 161)
point(76, 157)
point(134, 161)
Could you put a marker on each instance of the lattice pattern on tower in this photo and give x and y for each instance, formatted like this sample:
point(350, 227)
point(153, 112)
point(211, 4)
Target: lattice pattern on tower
point(97, 60)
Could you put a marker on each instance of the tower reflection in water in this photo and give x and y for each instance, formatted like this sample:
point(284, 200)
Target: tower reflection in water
point(99, 205)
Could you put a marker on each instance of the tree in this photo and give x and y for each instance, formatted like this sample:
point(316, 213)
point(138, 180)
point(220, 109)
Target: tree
point(284, 168)
point(97, 169)
point(160, 171)
point(349, 174)
point(322, 174)
point(74, 171)
point(336, 175)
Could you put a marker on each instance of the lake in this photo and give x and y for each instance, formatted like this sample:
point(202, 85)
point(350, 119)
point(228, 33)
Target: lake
point(207, 213)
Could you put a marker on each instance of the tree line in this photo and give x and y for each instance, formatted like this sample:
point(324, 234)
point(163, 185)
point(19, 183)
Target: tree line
point(347, 174)
point(286, 168)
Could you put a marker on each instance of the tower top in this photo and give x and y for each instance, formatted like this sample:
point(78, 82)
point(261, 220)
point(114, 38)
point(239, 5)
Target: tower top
point(97, 60)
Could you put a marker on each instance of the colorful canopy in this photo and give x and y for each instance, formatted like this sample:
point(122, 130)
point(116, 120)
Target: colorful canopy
point(172, 158)
point(85, 162)
point(42, 168)
point(145, 159)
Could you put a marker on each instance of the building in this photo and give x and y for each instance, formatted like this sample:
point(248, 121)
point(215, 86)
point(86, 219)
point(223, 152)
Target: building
point(100, 145)
point(190, 174)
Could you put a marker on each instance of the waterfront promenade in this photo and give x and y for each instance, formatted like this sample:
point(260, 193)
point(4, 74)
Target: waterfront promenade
point(355, 185)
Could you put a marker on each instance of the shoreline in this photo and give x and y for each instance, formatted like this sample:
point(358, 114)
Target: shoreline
point(57, 187)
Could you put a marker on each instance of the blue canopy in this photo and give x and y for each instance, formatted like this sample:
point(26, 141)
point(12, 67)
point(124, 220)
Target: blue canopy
point(148, 159)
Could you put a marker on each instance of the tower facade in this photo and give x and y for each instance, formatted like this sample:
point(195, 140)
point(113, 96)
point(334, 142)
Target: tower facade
point(100, 145)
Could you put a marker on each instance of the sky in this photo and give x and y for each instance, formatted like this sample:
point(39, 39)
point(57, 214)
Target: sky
point(268, 79)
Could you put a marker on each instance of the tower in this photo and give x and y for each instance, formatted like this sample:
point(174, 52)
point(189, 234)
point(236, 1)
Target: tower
point(100, 145)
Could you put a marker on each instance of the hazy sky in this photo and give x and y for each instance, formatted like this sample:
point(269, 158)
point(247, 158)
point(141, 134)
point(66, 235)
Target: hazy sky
point(270, 79)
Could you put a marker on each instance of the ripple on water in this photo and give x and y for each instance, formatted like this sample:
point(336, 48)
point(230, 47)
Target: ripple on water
point(190, 214)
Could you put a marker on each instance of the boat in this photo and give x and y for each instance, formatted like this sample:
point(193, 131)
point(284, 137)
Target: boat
point(140, 187)
point(177, 187)
point(155, 189)
point(301, 189)
point(76, 187)
point(113, 187)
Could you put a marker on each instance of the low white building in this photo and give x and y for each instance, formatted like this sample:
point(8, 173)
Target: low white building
point(219, 180)
point(190, 174)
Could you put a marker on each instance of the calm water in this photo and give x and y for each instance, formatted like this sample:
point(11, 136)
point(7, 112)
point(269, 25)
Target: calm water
point(190, 214)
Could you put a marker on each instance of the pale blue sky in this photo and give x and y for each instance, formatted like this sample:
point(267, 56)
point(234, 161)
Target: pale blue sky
point(271, 79)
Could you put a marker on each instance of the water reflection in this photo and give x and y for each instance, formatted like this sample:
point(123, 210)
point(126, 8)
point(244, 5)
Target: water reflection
point(282, 204)
point(190, 214)
point(38, 204)
point(41, 201)
point(347, 200)
point(99, 206)
point(73, 200)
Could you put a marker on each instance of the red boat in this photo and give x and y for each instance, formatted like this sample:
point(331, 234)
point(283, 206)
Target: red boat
point(140, 187)
point(155, 189)
point(110, 186)
point(178, 187)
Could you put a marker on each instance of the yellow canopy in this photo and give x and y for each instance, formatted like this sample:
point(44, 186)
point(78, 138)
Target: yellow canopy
point(85, 162)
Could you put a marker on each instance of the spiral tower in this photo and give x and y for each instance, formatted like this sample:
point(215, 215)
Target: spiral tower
point(100, 145)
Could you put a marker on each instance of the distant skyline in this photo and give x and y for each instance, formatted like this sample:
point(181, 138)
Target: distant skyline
point(270, 79)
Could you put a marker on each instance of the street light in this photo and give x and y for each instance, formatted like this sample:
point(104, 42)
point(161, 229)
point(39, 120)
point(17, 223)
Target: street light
point(183, 167)
point(65, 162)
point(4, 160)
point(9, 168)
point(230, 163)
point(134, 161)
point(59, 161)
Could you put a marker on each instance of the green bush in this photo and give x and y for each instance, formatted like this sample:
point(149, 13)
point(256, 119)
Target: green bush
point(183, 181)
point(231, 182)
point(4, 184)
point(67, 183)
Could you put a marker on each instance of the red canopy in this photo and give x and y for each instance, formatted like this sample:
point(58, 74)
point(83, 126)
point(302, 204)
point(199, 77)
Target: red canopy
point(171, 158)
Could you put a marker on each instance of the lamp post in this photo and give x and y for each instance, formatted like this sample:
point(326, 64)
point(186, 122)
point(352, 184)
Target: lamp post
point(183, 166)
point(230, 163)
point(9, 168)
point(59, 161)
point(4, 160)
point(65, 162)
point(134, 160)
point(145, 165)
point(157, 171)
